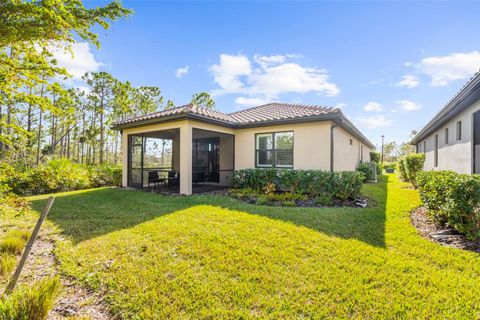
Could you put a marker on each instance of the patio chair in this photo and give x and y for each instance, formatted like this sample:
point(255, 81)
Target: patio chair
point(173, 180)
point(154, 178)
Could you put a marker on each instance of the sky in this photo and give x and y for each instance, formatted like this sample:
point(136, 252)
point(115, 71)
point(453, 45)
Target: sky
point(390, 66)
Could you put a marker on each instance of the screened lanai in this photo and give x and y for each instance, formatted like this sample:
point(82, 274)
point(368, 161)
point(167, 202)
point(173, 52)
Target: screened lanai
point(154, 160)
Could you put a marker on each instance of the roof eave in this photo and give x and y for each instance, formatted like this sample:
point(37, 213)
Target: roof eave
point(181, 116)
point(466, 97)
point(336, 117)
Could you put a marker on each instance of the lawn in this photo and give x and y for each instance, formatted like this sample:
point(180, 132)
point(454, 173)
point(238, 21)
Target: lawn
point(155, 256)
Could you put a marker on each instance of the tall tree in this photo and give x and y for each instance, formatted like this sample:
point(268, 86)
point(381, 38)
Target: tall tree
point(29, 30)
point(102, 85)
point(203, 100)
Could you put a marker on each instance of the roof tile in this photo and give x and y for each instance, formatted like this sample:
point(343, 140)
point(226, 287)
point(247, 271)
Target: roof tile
point(263, 113)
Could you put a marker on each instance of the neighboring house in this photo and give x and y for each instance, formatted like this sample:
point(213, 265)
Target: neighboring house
point(451, 140)
point(205, 146)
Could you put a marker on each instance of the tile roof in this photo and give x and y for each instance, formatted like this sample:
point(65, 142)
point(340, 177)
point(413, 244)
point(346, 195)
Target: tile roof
point(279, 111)
point(268, 112)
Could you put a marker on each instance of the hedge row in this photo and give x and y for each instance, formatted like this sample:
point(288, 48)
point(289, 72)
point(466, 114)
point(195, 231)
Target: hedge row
point(56, 176)
point(339, 185)
point(409, 166)
point(368, 169)
point(452, 199)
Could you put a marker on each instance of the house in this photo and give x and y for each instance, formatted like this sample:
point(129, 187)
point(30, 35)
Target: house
point(189, 146)
point(451, 140)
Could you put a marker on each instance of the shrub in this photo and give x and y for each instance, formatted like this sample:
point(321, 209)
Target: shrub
point(401, 170)
point(254, 178)
point(105, 175)
point(31, 302)
point(286, 196)
point(324, 199)
point(56, 176)
point(262, 200)
point(409, 166)
point(340, 185)
point(452, 199)
point(367, 168)
point(288, 203)
point(413, 164)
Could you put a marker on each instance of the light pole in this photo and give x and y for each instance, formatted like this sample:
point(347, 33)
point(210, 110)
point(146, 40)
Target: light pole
point(382, 146)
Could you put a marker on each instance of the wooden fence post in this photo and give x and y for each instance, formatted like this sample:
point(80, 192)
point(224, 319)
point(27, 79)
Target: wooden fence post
point(28, 247)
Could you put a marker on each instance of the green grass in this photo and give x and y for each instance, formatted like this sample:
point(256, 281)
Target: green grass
point(214, 257)
point(31, 302)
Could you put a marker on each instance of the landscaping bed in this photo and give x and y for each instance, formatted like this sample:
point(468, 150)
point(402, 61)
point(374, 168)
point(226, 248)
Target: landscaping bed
point(286, 199)
point(441, 235)
point(299, 188)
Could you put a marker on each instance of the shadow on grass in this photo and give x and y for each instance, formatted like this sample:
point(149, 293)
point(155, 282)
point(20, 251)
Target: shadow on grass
point(85, 215)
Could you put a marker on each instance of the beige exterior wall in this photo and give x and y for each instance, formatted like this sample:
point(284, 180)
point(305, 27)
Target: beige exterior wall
point(457, 154)
point(311, 145)
point(348, 155)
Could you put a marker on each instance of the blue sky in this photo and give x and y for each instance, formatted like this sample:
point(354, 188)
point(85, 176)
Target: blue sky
point(390, 65)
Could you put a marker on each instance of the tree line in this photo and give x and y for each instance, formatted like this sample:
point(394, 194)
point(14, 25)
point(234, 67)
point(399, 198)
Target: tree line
point(42, 119)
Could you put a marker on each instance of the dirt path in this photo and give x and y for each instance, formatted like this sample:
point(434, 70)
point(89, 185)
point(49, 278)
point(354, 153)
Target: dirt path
point(74, 301)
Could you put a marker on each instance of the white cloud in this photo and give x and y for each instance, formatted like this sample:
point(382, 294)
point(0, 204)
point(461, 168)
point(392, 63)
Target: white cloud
point(340, 105)
point(77, 62)
point(180, 72)
point(251, 102)
point(291, 77)
point(267, 77)
point(373, 107)
point(266, 61)
point(228, 72)
point(407, 105)
point(408, 81)
point(373, 122)
point(446, 69)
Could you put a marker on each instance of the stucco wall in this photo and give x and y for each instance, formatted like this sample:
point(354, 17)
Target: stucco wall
point(347, 156)
point(456, 155)
point(311, 145)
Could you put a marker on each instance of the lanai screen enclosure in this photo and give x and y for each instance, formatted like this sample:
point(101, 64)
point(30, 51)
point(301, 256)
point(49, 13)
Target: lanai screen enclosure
point(154, 160)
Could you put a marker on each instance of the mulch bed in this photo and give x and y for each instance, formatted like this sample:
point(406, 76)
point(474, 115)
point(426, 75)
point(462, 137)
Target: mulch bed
point(441, 235)
point(308, 203)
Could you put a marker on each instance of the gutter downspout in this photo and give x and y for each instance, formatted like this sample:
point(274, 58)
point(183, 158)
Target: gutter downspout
point(332, 145)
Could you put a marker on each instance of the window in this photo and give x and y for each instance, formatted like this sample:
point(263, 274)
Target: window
point(274, 150)
point(435, 155)
point(459, 130)
point(361, 153)
point(351, 142)
point(425, 147)
point(446, 135)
